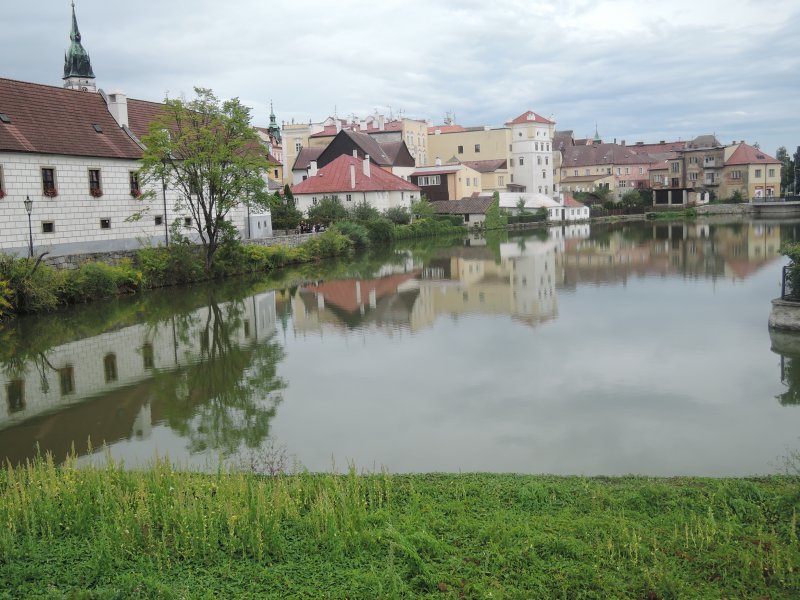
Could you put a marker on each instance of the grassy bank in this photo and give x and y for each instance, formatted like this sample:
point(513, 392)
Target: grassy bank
point(28, 286)
point(102, 532)
point(671, 215)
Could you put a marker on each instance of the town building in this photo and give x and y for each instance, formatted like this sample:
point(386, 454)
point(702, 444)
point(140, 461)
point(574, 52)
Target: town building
point(354, 180)
point(447, 182)
point(751, 172)
point(393, 157)
point(531, 152)
point(468, 144)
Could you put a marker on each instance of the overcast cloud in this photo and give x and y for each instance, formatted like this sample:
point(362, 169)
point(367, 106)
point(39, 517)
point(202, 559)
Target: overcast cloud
point(644, 71)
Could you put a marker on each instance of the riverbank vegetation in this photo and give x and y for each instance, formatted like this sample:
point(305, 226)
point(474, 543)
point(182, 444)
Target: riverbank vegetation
point(671, 215)
point(105, 532)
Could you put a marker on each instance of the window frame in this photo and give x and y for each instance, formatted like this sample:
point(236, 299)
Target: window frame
point(95, 179)
point(51, 190)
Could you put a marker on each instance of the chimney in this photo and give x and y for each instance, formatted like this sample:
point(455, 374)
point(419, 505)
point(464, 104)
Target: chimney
point(366, 165)
point(355, 153)
point(352, 176)
point(363, 124)
point(381, 122)
point(438, 162)
point(662, 142)
point(312, 168)
point(622, 142)
point(118, 107)
point(338, 125)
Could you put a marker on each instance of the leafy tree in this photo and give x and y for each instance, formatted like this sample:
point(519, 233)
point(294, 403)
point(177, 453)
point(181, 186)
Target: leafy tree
point(285, 214)
point(521, 210)
point(787, 170)
point(398, 215)
point(287, 192)
point(631, 199)
point(422, 209)
point(495, 219)
point(363, 212)
point(327, 211)
point(207, 150)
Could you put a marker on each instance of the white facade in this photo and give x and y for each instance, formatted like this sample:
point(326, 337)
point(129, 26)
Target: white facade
point(75, 222)
point(532, 155)
point(382, 200)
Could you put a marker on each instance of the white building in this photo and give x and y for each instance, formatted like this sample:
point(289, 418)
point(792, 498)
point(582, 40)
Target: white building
point(353, 181)
point(531, 162)
point(563, 208)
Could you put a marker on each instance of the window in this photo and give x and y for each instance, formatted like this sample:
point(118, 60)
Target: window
point(619, 171)
point(537, 146)
point(538, 160)
point(105, 223)
point(521, 161)
point(429, 180)
point(159, 220)
point(466, 218)
point(675, 167)
point(641, 170)
point(511, 163)
point(772, 172)
point(587, 171)
point(148, 356)
point(349, 197)
point(627, 171)
point(297, 146)
point(736, 174)
point(466, 181)
point(94, 183)
point(477, 148)
point(675, 182)
point(475, 182)
point(136, 191)
point(276, 173)
point(15, 395)
point(544, 174)
point(110, 367)
point(246, 328)
point(692, 160)
point(500, 180)
point(575, 173)
point(461, 149)
point(49, 182)
point(187, 221)
point(758, 172)
point(608, 170)
point(48, 227)
point(547, 160)
point(314, 200)
point(66, 379)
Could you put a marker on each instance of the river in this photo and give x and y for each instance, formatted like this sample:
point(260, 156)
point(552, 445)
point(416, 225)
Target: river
point(633, 348)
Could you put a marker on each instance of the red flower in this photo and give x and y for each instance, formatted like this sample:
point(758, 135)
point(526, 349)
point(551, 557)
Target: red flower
point(2, 194)
point(51, 192)
point(96, 192)
point(136, 193)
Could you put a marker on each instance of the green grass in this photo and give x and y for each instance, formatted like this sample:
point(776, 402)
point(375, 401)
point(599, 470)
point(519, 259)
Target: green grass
point(105, 532)
point(670, 215)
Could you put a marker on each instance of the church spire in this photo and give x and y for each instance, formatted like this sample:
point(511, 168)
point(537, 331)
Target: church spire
point(78, 72)
point(273, 128)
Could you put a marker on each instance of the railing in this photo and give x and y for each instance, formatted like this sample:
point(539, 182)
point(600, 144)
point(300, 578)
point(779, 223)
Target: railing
point(790, 283)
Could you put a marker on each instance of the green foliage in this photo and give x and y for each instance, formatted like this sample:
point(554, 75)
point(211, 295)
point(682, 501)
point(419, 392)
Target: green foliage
point(787, 171)
point(631, 199)
point(357, 232)
point(285, 214)
point(175, 265)
point(495, 219)
point(34, 286)
point(422, 209)
point(521, 210)
point(736, 197)
point(381, 230)
point(287, 193)
point(6, 307)
point(363, 212)
point(454, 220)
point(428, 227)
point(208, 151)
point(672, 215)
point(93, 530)
point(399, 215)
point(327, 211)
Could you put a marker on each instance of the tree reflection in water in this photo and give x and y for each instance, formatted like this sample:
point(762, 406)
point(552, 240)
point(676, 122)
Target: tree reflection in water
point(228, 396)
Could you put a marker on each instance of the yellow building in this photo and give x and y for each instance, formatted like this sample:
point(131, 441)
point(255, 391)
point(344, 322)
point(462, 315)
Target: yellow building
point(752, 172)
point(468, 143)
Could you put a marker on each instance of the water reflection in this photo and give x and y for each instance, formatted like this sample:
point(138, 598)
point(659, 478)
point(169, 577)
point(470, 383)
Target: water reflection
point(205, 370)
point(208, 370)
point(787, 346)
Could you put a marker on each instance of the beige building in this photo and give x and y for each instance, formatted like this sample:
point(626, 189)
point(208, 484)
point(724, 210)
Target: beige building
point(750, 171)
point(468, 143)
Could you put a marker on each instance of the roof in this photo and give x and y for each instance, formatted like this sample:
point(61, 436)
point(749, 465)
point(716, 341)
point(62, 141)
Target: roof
point(305, 156)
point(53, 120)
point(530, 117)
point(660, 148)
point(331, 130)
point(437, 170)
point(335, 177)
point(141, 113)
point(532, 200)
point(472, 205)
point(487, 166)
point(746, 154)
point(392, 150)
point(570, 202)
point(584, 178)
point(600, 154)
point(369, 146)
point(703, 141)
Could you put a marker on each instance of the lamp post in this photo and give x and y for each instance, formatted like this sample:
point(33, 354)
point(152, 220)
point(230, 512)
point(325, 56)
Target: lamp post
point(164, 196)
point(28, 208)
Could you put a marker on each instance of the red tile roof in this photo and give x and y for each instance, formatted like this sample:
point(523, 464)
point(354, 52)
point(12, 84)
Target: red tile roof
point(52, 120)
point(345, 293)
point(529, 117)
point(746, 154)
point(445, 129)
point(330, 130)
point(471, 205)
point(141, 113)
point(570, 202)
point(335, 178)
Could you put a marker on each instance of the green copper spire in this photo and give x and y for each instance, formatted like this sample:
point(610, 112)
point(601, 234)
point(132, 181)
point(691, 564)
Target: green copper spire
point(273, 124)
point(76, 59)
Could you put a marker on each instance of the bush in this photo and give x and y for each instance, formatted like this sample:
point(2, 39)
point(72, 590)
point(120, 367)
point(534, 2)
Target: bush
point(170, 266)
point(35, 288)
point(398, 215)
point(456, 220)
point(6, 296)
point(363, 212)
point(495, 219)
point(381, 230)
point(94, 281)
point(328, 210)
point(358, 233)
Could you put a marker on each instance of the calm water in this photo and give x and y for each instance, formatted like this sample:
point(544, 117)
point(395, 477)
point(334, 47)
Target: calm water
point(634, 348)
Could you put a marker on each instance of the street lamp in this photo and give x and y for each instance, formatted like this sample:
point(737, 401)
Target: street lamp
point(164, 196)
point(28, 208)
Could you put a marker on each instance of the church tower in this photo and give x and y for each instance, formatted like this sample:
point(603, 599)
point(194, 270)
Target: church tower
point(78, 74)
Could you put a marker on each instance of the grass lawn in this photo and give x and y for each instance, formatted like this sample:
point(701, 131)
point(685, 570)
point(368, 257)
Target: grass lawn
point(106, 532)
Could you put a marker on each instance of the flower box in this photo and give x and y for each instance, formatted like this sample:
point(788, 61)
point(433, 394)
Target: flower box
point(51, 192)
point(96, 192)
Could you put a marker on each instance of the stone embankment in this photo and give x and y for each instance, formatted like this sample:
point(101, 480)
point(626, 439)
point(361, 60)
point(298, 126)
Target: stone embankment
point(785, 315)
point(725, 209)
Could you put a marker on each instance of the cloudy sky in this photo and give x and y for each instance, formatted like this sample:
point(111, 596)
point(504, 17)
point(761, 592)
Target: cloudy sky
point(643, 70)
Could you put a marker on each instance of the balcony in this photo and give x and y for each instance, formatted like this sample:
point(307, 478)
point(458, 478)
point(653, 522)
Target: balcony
point(711, 163)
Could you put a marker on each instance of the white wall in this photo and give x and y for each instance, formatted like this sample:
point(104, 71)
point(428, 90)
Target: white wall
point(75, 213)
point(379, 200)
point(533, 142)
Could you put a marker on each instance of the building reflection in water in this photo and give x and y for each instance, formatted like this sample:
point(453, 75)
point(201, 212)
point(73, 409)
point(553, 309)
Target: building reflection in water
point(209, 373)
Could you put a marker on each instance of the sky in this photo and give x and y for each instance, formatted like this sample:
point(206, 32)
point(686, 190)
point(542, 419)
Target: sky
point(640, 70)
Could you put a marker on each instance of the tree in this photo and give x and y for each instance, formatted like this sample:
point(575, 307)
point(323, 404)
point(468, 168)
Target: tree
point(631, 199)
point(495, 219)
point(787, 170)
point(284, 212)
point(398, 215)
point(422, 209)
point(327, 211)
point(207, 151)
point(521, 210)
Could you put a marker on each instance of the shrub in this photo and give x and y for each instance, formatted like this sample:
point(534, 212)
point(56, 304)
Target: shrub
point(6, 295)
point(381, 230)
point(94, 281)
point(363, 212)
point(455, 220)
point(35, 286)
point(398, 215)
point(328, 210)
point(170, 266)
point(495, 219)
point(358, 233)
